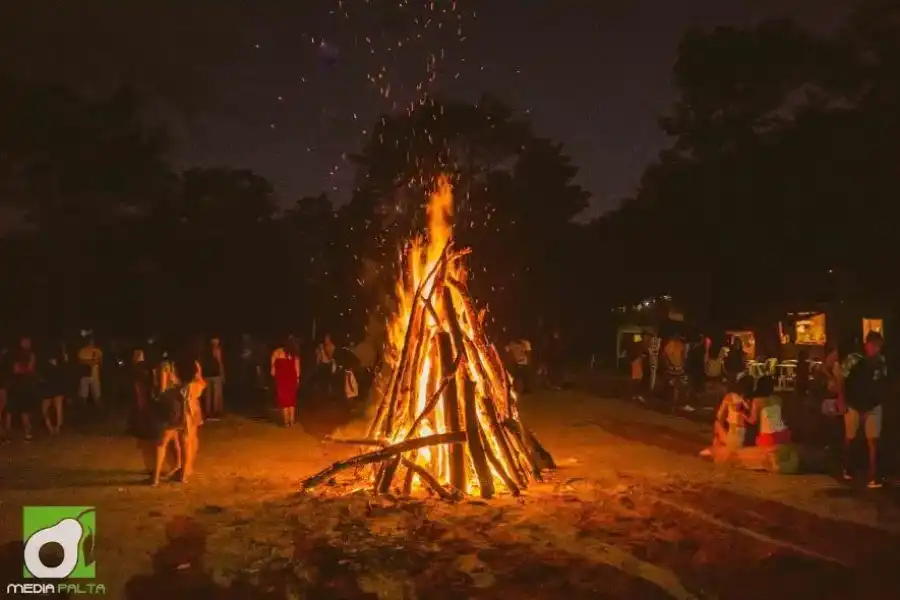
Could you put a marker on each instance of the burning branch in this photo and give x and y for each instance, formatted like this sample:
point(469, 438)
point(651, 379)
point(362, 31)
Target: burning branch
point(449, 419)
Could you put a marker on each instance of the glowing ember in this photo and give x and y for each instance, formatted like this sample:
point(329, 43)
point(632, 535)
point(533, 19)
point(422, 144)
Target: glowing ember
point(448, 418)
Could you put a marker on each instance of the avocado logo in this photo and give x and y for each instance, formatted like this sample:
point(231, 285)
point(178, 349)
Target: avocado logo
point(52, 530)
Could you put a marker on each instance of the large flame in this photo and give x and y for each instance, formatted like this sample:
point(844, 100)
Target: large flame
point(486, 370)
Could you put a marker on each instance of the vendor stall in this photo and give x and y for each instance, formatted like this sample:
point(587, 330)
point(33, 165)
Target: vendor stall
point(627, 336)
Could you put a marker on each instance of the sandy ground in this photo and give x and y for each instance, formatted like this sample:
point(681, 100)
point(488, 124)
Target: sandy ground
point(632, 513)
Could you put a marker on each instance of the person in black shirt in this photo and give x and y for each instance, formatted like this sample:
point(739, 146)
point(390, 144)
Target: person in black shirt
point(734, 361)
point(696, 364)
point(863, 391)
point(53, 387)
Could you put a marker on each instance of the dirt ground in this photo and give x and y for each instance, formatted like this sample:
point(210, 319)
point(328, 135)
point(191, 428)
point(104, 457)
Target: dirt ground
point(632, 513)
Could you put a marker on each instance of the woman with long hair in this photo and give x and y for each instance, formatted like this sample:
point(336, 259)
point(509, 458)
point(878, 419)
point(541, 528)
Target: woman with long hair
point(190, 375)
point(285, 371)
point(730, 426)
point(179, 406)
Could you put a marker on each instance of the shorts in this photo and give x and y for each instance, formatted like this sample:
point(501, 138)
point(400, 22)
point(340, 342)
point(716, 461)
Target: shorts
point(89, 386)
point(871, 421)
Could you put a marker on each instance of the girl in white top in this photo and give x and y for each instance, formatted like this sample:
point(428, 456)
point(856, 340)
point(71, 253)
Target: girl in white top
point(766, 410)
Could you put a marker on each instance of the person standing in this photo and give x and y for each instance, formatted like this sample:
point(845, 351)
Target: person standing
point(696, 363)
point(214, 375)
point(637, 371)
point(248, 372)
point(864, 387)
point(735, 359)
point(285, 371)
point(190, 377)
point(143, 421)
point(5, 379)
point(554, 359)
point(653, 356)
point(164, 378)
point(182, 417)
point(53, 375)
point(24, 393)
point(325, 352)
point(325, 380)
point(674, 355)
point(90, 359)
point(519, 351)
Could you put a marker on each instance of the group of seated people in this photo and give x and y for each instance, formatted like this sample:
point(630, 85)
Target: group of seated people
point(753, 405)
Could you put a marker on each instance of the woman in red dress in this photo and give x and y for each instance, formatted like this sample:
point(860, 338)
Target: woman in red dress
point(286, 374)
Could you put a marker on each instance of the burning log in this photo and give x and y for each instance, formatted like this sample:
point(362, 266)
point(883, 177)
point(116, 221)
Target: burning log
point(452, 412)
point(386, 453)
point(448, 420)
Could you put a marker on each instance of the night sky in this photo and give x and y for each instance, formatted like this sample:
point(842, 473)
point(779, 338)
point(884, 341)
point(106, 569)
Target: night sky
point(291, 93)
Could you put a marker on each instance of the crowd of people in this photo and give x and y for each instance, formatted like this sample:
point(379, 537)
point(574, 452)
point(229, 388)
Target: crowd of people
point(166, 394)
point(854, 389)
point(850, 388)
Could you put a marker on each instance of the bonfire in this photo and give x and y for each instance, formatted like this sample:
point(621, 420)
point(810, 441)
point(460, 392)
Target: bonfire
point(447, 422)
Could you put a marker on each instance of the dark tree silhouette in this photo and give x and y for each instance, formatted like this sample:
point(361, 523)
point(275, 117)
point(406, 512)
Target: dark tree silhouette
point(514, 199)
point(780, 170)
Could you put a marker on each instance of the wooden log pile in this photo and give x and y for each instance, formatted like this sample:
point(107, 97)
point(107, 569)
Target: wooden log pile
point(448, 419)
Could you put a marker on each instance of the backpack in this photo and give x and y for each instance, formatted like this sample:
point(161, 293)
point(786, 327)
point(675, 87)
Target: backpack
point(172, 407)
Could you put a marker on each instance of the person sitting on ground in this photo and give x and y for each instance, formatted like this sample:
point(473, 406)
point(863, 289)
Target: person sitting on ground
point(729, 428)
point(773, 451)
point(766, 410)
point(24, 391)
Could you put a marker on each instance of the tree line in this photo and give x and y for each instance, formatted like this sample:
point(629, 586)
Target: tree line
point(776, 188)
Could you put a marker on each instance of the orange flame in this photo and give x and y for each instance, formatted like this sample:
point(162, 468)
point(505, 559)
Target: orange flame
point(482, 365)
